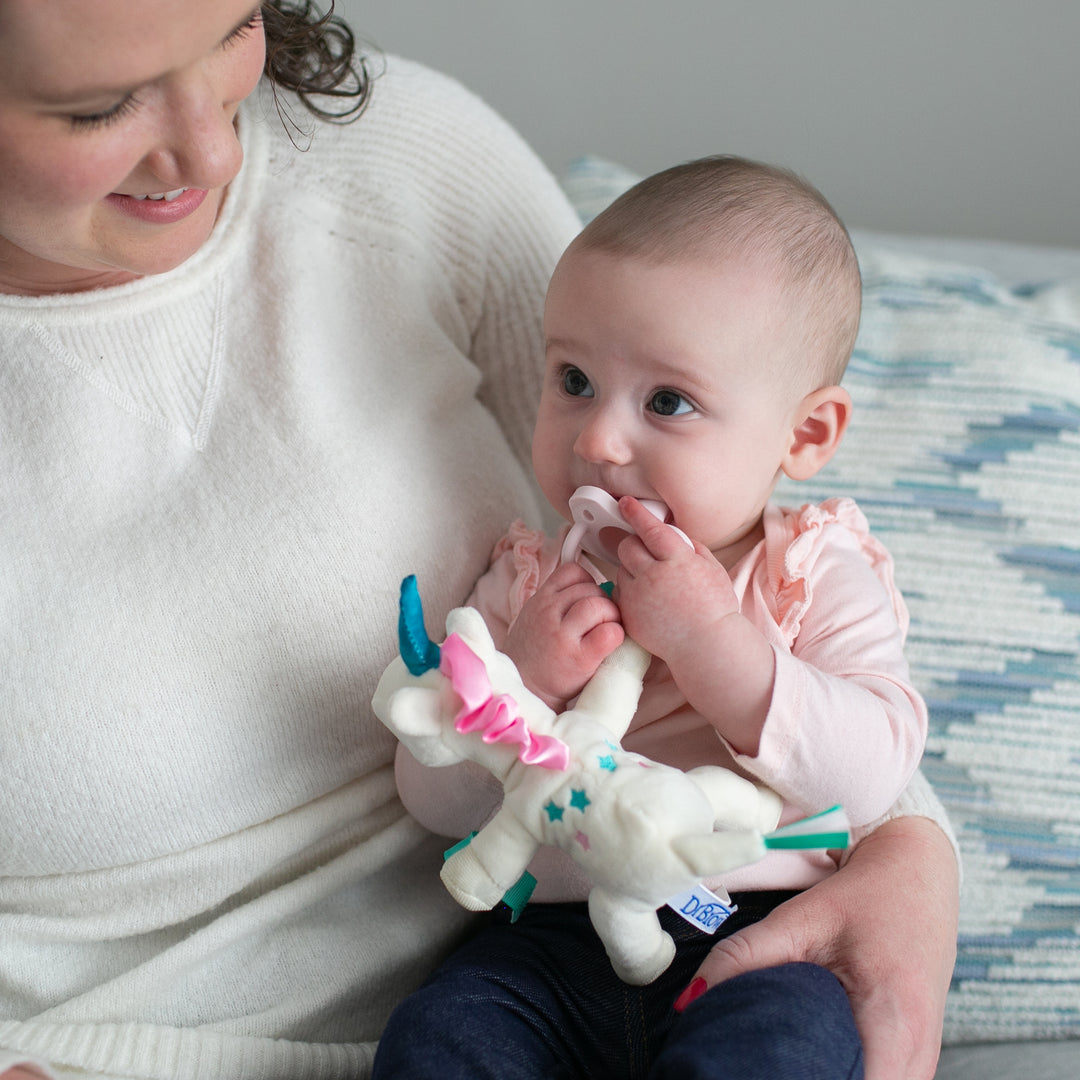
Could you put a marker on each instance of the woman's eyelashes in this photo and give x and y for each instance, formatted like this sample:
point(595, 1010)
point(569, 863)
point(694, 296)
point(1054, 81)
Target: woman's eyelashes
point(253, 22)
point(127, 104)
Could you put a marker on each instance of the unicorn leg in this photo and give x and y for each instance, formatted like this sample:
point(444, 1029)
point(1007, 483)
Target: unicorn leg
point(737, 803)
point(611, 695)
point(479, 874)
point(638, 948)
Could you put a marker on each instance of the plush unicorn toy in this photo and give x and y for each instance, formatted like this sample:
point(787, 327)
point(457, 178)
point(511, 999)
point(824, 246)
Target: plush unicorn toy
point(643, 832)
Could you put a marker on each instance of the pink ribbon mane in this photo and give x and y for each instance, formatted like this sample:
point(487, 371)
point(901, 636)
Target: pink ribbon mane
point(495, 717)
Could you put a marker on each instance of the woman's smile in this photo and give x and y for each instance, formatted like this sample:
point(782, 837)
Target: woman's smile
point(159, 209)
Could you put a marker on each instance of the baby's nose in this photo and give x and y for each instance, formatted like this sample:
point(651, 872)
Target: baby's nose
point(603, 439)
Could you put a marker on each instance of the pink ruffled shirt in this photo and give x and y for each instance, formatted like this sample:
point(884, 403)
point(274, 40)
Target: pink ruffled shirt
point(844, 726)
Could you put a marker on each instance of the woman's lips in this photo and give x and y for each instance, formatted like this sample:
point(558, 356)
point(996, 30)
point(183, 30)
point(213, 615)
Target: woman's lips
point(159, 208)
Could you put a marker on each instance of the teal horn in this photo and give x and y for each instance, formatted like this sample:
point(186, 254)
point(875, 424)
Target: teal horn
point(418, 651)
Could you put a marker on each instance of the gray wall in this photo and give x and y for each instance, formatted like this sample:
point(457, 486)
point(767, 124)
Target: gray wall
point(941, 117)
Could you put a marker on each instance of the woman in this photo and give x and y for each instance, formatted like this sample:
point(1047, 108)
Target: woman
point(246, 389)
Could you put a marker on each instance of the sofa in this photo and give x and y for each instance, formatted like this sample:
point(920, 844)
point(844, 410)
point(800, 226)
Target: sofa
point(964, 452)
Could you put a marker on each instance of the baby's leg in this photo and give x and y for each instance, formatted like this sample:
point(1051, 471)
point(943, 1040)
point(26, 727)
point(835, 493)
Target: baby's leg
point(793, 1020)
point(522, 1001)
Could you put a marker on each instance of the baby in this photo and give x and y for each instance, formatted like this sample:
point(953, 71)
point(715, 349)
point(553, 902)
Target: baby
point(696, 333)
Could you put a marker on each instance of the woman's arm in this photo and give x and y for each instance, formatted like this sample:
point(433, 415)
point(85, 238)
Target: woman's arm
point(885, 924)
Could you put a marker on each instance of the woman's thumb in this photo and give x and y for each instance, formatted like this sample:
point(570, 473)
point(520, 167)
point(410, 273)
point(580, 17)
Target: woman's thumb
point(761, 945)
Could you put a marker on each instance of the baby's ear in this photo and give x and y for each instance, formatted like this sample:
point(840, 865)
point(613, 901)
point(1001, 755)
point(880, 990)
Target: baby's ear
point(821, 420)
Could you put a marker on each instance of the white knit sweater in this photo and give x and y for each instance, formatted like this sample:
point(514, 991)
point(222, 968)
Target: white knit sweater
point(211, 485)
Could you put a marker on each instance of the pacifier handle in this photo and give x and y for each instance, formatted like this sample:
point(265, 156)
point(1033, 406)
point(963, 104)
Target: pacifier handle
point(594, 510)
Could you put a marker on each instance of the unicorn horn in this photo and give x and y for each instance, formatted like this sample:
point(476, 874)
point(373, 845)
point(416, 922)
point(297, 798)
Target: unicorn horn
point(418, 651)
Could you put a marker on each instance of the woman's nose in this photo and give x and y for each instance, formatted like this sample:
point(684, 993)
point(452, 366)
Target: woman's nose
point(200, 147)
point(603, 439)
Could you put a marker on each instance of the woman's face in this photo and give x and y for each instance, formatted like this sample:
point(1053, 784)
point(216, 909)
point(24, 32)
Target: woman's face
point(105, 107)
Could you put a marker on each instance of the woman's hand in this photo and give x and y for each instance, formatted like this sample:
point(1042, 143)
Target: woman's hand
point(21, 1072)
point(885, 924)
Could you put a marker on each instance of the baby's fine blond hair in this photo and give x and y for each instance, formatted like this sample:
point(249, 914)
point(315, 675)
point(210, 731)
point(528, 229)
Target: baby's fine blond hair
point(730, 207)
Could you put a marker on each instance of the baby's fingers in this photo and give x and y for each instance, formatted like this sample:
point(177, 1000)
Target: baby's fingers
point(661, 541)
point(601, 641)
point(590, 608)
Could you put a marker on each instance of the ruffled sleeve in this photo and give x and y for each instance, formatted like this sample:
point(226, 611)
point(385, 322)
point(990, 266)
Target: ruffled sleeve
point(794, 541)
point(520, 561)
point(845, 723)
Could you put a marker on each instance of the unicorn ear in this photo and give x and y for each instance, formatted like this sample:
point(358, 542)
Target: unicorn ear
point(469, 625)
point(395, 681)
point(414, 715)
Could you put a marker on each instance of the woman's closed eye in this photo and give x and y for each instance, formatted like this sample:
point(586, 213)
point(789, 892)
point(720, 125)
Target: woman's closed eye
point(252, 22)
point(667, 402)
point(127, 104)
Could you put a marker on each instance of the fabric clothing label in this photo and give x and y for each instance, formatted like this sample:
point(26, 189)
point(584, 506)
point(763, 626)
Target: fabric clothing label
point(702, 908)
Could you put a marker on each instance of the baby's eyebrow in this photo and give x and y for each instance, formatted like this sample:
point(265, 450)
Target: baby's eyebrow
point(687, 375)
point(560, 343)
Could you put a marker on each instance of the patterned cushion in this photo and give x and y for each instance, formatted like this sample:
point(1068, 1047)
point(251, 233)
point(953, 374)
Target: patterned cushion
point(964, 452)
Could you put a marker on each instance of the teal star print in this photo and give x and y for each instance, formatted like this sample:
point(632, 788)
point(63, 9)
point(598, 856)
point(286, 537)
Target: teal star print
point(578, 799)
point(554, 812)
point(607, 761)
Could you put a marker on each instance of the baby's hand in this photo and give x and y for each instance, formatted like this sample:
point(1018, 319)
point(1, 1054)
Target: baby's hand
point(669, 595)
point(562, 634)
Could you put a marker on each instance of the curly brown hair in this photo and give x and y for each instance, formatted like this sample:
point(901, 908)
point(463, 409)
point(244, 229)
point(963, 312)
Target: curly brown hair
point(315, 56)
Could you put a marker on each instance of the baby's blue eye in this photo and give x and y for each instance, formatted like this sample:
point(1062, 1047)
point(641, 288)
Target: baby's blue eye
point(576, 383)
point(669, 403)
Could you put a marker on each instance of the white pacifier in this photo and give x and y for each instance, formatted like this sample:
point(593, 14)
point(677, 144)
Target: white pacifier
point(595, 511)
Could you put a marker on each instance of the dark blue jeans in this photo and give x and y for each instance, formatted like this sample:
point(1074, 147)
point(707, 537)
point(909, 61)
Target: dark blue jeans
point(538, 1000)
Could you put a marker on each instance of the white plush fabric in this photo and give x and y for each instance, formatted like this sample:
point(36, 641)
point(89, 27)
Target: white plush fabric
point(641, 832)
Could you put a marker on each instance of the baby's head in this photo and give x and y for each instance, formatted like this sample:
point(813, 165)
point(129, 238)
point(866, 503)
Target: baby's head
point(731, 211)
point(696, 334)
